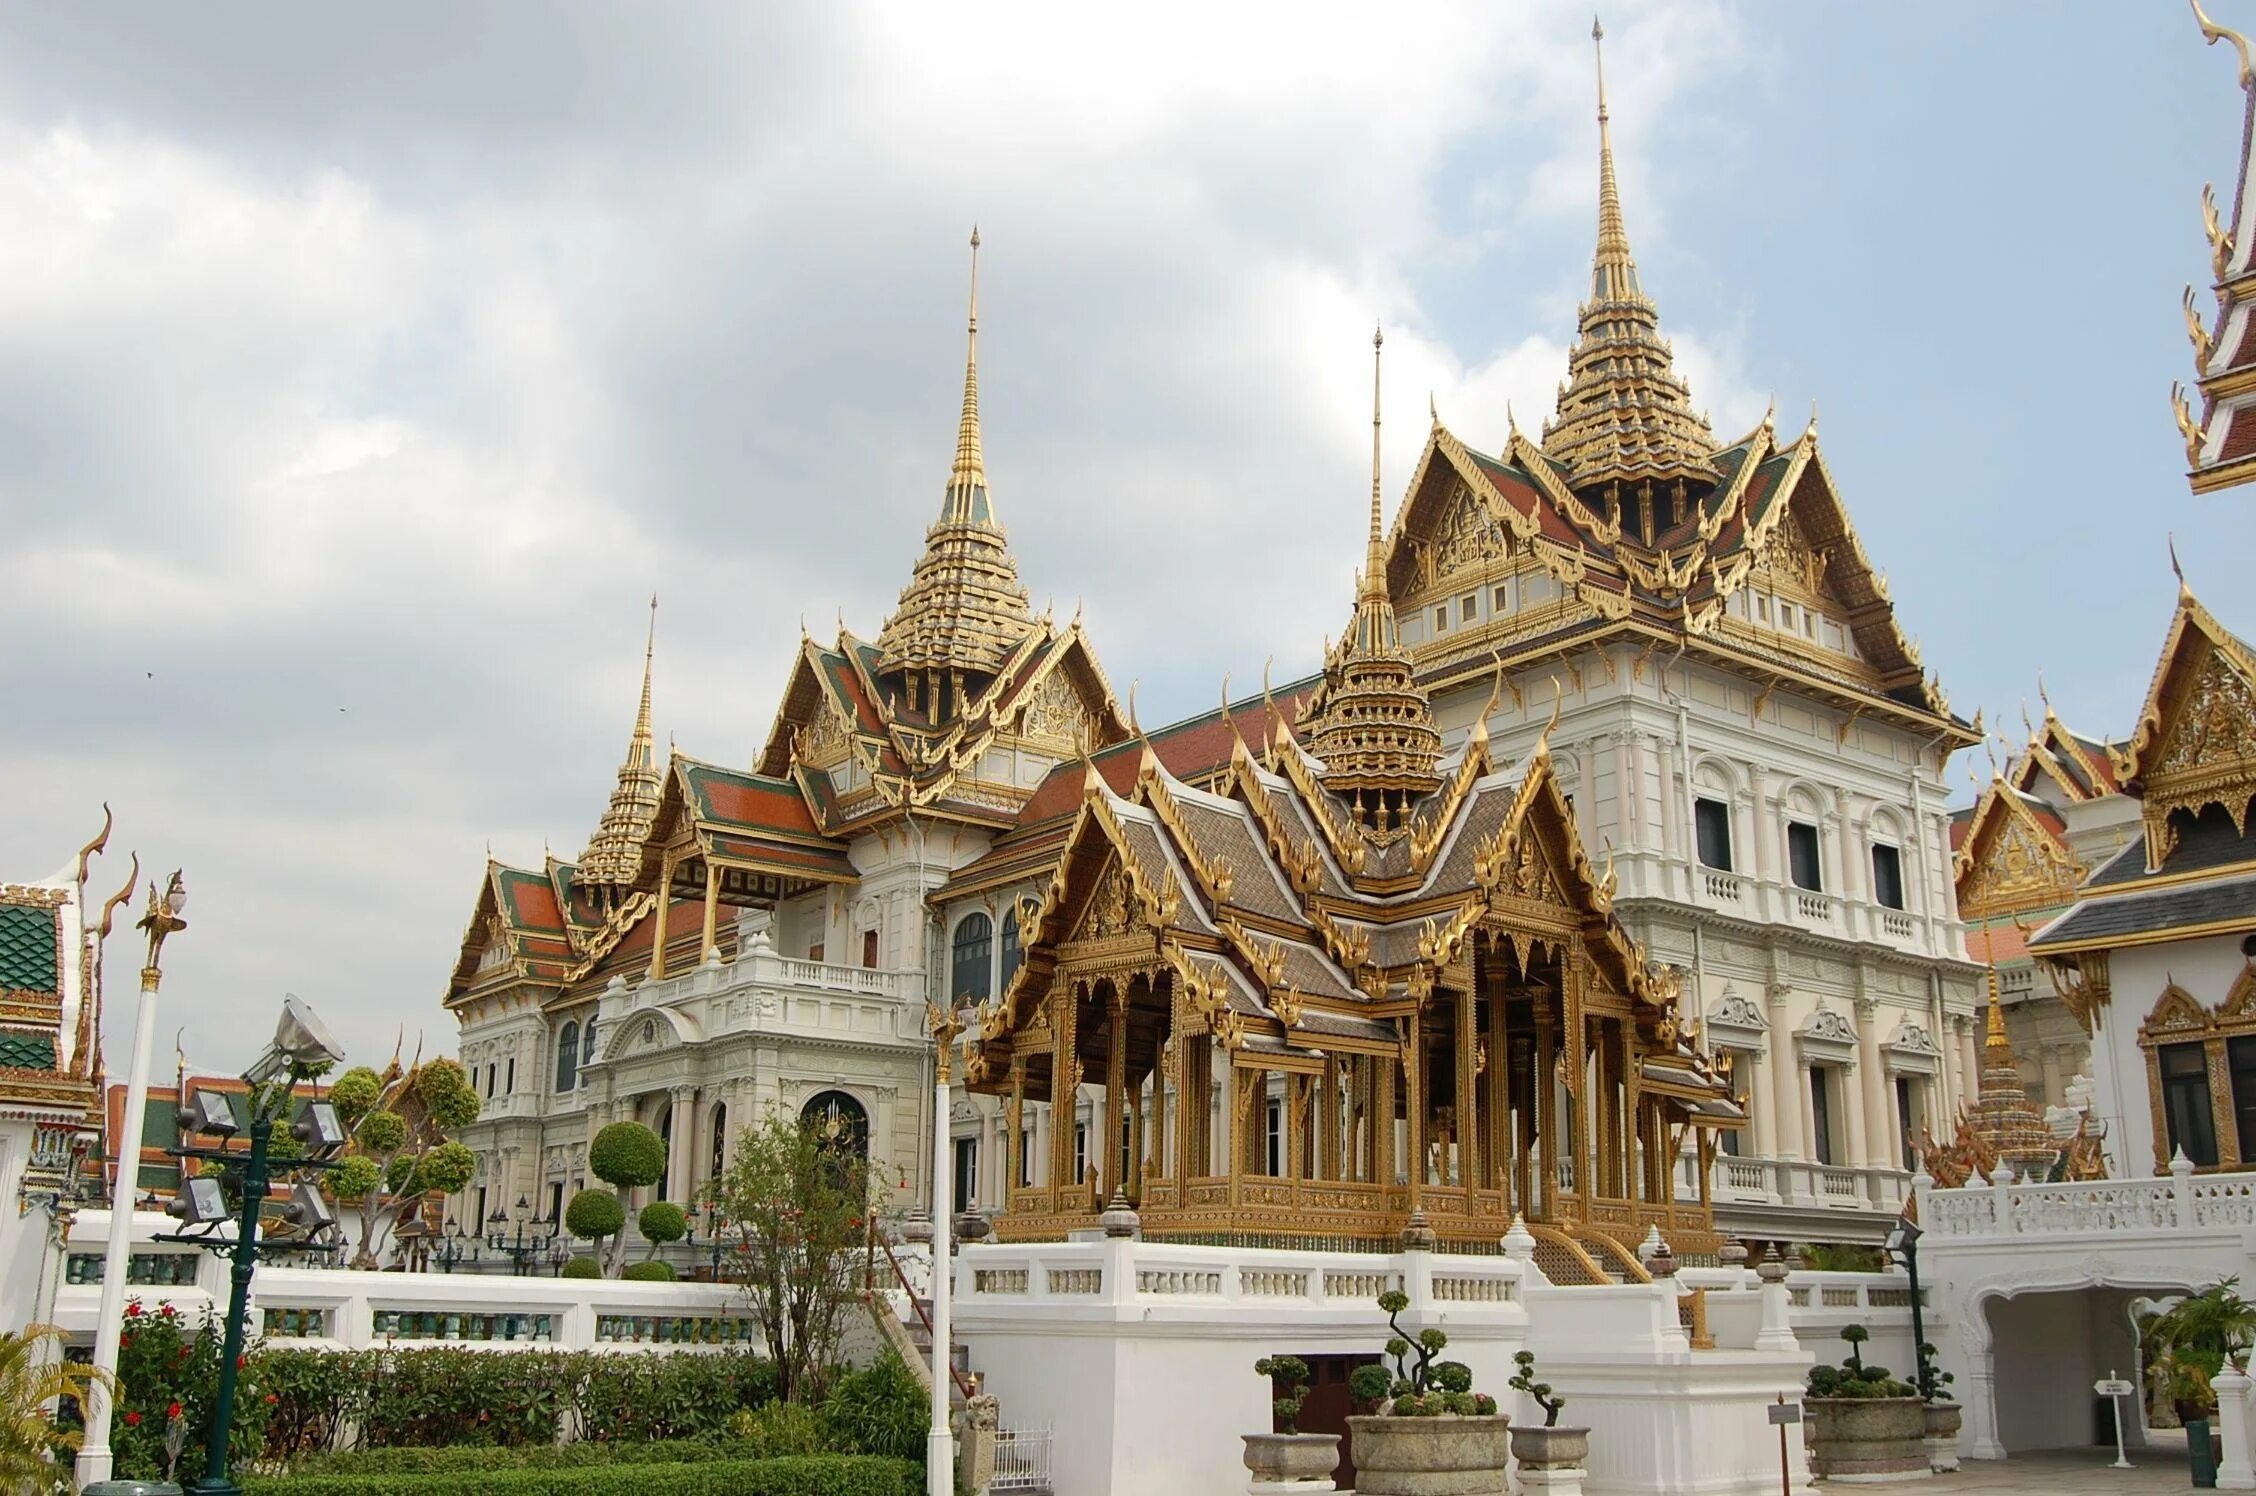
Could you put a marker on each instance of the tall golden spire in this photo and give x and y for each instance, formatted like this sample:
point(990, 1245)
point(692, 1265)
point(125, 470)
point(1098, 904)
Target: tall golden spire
point(963, 611)
point(614, 854)
point(1372, 725)
point(1624, 415)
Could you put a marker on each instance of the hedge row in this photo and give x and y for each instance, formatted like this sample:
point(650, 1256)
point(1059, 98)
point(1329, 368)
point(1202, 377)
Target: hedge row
point(810, 1475)
point(464, 1459)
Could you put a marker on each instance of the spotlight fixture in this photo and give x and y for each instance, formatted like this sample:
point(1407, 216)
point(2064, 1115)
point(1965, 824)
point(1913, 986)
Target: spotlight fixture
point(299, 1039)
point(208, 1112)
point(201, 1202)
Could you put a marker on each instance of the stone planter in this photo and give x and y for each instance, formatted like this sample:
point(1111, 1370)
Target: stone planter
point(1292, 1462)
point(1943, 1419)
point(1867, 1438)
point(1444, 1456)
point(1535, 1447)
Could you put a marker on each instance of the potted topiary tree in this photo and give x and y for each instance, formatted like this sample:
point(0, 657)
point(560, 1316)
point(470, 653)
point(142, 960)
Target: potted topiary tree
point(1863, 1423)
point(1286, 1457)
point(1432, 1432)
point(1550, 1449)
point(2197, 1336)
point(1943, 1414)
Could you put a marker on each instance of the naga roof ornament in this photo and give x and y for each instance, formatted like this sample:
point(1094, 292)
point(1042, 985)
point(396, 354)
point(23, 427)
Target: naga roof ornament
point(964, 609)
point(613, 858)
point(1625, 414)
point(2220, 444)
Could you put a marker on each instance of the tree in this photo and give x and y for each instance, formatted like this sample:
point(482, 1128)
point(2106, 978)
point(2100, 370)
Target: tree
point(593, 1215)
point(33, 1378)
point(797, 1205)
point(661, 1223)
point(626, 1156)
point(399, 1145)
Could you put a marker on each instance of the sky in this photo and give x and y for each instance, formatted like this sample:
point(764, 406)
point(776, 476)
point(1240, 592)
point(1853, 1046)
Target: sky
point(365, 370)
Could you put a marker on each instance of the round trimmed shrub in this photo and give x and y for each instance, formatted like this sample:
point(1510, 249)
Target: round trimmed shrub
point(662, 1222)
point(594, 1214)
point(649, 1272)
point(627, 1155)
point(582, 1267)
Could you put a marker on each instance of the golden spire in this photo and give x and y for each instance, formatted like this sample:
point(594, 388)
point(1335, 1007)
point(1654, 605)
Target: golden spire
point(963, 610)
point(1624, 413)
point(614, 853)
point(1373, 726)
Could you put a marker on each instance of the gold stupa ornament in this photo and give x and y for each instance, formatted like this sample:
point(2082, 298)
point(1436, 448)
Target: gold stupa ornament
point(964, 610)
point(2013, 1130)
point(613, 858)
point(1372, 725)
point(1625, 414)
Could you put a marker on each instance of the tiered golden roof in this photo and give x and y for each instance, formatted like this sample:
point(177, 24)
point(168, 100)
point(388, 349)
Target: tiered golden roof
point(1625, 414)
point(2221, 446)
point(1371, 724)
point(2014, 1131)
point(963, 609)
point(613, 858)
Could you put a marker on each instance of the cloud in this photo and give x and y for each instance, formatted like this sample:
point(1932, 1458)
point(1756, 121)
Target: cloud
point(358, 383)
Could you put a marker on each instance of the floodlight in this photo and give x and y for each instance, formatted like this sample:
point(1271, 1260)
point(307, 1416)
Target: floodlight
point(318, 1128)
point(201, 1202)
point(1903, 1236)
point(209, 1112)
point(299, 1039)
point(307, 1208)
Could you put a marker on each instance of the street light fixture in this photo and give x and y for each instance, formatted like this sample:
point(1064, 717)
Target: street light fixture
point(1903, 1245)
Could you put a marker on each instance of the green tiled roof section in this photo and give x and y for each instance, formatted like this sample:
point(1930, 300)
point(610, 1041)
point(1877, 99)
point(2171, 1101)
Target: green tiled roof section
point(161, 1177)
point(26, 1051)
point(27, 948)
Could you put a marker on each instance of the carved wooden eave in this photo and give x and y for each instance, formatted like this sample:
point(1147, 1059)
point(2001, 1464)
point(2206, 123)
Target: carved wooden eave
point(2011, 862)
point(615, 928)
point(2195, 743)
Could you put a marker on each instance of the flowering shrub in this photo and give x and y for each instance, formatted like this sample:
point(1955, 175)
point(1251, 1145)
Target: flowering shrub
point(168, 1373)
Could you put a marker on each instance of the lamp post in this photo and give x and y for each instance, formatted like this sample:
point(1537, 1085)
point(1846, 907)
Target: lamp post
point(940, 1442)
point(300, 1041)
point(516, 1248)
point(95, 1460)
point(451, 1249)
point(1903, 1246)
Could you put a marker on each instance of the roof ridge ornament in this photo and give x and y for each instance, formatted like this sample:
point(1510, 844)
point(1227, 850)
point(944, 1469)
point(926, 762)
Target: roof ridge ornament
point(613, 859)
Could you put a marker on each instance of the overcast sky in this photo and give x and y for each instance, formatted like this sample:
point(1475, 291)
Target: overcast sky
point(363, 370)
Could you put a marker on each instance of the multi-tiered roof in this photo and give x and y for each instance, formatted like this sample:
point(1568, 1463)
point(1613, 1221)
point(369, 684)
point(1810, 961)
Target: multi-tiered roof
point(2221, 445)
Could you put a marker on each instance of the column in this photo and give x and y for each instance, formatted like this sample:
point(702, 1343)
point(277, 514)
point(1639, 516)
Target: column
point(1969, 1060)
point(1379, 1130)
point(681, 1141)
point(1065, 1091)
point(710, 946)
point(1116, 1089)
point(1496, 1144)
point(1790, 1095)
point(1879, 1150)
point(1328, 1121)
point(1414, 1107)
point(665, 905)
point(1762, 1106)
point(2055, 1079)
point(1135, 1166)
point(1543, 1193)
point(1014, 1128)
point(1468, 1127)
point(1858, 1139)
point(1295, 1104)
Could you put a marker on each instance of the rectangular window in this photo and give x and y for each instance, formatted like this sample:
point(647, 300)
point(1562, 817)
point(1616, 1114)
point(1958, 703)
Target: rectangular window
point(1801, 856)
point(1441, 620)
point(509, 1080)
point(815, 951)
point(1468, 608)
point(967, 1173)
point(1500, 601)
point(1734, 1140)
point(1762, 608)
point(1907, 1118)
point(556, 1200)
point(1711, 821)
point(1273, 1138)
point(869, 948)
point(478, 1214)
point(1080, 1152)
point(1821, 1113)
point(2240, 1060)
point(1025, 1157)
point(1786, 616)
point(1887, 876)
point(2185, 1101)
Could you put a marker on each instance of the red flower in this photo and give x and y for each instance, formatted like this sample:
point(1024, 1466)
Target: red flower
point(272, 1399)
point(124, 1341)
point(172, 1410)
point(241, 1362)
point(133, 1310)
point(166, 1310)
point(133, 1420)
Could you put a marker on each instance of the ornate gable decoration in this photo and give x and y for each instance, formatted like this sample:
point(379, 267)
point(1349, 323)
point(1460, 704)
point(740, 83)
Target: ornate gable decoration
point(827, 738)
point(1055, 714)
point(2176, 1015)
point(2196, 739)
point(2012, 862)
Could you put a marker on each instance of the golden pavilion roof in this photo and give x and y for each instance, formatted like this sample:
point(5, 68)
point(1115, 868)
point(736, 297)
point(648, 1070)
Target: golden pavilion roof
point(964, 609)
point(614, 852)
point(1625, 415)
point(2221, 445)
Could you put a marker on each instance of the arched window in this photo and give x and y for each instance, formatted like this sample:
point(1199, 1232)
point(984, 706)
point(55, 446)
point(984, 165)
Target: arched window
point(841, 1119)
point(666, 1181)
point(568, 1056)
point(975, 943)
point(587, 1045)
point(720, 1138)
point(1014, 954)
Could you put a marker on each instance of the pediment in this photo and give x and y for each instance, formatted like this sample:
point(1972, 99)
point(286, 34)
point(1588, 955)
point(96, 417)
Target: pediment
point(2213, 725)
point(2175, 1014)
point(2012, 862)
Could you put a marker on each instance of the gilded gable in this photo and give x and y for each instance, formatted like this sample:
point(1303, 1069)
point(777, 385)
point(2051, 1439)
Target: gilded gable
point(2017, 867)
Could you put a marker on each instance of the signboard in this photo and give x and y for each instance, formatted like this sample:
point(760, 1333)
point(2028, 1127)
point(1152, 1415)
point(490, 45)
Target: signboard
point(1785, 1412)
point(2113, 1387)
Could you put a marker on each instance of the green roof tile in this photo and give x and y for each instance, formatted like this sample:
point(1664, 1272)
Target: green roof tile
point(26, 1051)
point(27, 948)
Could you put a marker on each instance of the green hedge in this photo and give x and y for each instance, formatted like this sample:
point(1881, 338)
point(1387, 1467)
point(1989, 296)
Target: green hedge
point(811, 1475)
point(458, 1459)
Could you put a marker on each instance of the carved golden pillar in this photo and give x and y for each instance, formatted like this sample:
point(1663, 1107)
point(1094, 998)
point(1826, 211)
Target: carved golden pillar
point(1135, 1163)
point(1524, 1073)
point(1328, 1120)
point(665, 906)
point(1190, 1109)
point(1065, 1074)
point(1116, 1088)
point(1556, 1148)
point(1414, 1106)
point(1498, 1146)
point(1637, 1144)
point(1468, 1128)
point(710, 942)
point(1294, 1120)
point(1575, 1037)
point(1380, 1127)
point(1014, 1146)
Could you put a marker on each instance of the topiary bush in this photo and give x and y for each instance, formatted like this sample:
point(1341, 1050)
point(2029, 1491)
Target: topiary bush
point(581, 1267)
point(1422, 1387)
point(1288, 1389)
point(662, 1221)
point(648, 1272)
point(627, 1155)
point(1852, 1378)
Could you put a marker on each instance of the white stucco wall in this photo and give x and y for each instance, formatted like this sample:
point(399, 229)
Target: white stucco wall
point(2138, 975)
point(2050, 1348)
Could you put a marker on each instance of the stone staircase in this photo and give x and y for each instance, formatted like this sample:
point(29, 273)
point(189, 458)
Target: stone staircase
point(904, 1322)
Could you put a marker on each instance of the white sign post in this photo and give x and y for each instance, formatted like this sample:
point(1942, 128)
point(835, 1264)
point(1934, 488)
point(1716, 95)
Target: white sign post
point(2115, 1389)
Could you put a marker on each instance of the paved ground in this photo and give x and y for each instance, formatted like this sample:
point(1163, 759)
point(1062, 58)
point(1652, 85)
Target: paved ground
point(2070, 1472)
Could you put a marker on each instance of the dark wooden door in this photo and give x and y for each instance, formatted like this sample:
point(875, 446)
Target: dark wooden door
point(1326, 1408)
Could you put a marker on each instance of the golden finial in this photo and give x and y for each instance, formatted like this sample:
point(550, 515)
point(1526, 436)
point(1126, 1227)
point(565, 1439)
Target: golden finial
point(2185, 591)
point(2197, 333)
point(1613, 239)
point(1433, 411)
point(2026, 725)
point(1511, 422)
point(1809, 433)
point(110, 909)
point(1374, 573)
point(2188, 427)
point(86, 853)
point(2220, 241)
point(967, 480)
point(1135, 727)
point(2213, 33)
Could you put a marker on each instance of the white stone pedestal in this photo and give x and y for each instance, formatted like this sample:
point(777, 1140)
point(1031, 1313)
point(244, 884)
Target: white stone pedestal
point(1551, 1482)
point(1290, 1487)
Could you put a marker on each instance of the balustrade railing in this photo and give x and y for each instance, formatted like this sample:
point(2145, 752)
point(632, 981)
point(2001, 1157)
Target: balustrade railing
point(2180, 1201)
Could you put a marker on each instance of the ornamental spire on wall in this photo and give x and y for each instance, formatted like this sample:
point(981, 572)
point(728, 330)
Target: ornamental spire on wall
point(963, 611)
point(614, 854)
point(1624, 414)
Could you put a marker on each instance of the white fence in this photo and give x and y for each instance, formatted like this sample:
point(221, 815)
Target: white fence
point(1022, 1460)
point(2181, 1202)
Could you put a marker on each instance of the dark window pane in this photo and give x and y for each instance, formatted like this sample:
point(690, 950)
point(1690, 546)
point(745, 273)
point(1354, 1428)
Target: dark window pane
point(1801, 856)
point(567, 1056)
point(975, 941)
point(1887, 876)
point(1821, 1113)
point(2240, 1058)
point(1014, 951)
point(2185, 1102)
point(1712, 823)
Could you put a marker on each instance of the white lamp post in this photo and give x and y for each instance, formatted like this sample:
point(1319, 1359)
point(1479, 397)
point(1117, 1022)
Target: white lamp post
point(162, 919)
point(940, 1442)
